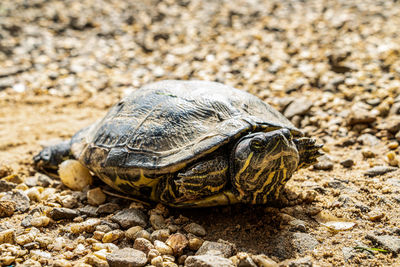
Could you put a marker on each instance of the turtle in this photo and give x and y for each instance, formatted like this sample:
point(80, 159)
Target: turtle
point(190, 144)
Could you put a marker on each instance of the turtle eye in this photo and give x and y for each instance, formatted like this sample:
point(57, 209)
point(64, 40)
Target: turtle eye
point(257, 144)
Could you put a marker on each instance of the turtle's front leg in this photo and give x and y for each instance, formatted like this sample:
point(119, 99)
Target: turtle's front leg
point(205, 178)
point(308, 151)
point(50, 157)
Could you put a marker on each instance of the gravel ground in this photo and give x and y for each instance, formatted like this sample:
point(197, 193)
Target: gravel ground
point(332, 67)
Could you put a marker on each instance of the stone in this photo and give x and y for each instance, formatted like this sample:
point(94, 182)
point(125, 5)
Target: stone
point(347, 163)
point(389, 242)
point(177, 242)
point(107, 208)
point(6, 208)
point(88, 210)
point(375, 215)
point(41, 221)
point(324, 163)
point(207, 261)
point(95, 196)
point(299, 106)
point(131, 232)
point(161, 235)
point(157, 221)
point(20, 199)
point(368, 140)
point(195, 243)
point(195, 229)
point(7, 236)
point(126, 257)
point(163, 248)
point(63, 214)
point(130, 217)
point(379, 170)
point(243, 259)
point(143, 244)
point(303, 242)
point(264, 261)
point(74, 175)
point(6, 186)
point(112, 236)
point(360, 116)
point(300, 262)
point(216, 248)
point(348, 253)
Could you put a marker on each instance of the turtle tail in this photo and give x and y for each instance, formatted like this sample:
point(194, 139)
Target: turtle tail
point(50, 157)
point(308, 151)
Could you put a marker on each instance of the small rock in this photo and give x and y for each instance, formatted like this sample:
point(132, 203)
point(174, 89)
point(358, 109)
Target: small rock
point(216, 248)
point(299, 106)
point(107, 208)
point(161, 235)
point(195, 243)
point(20, 199)
point(207, 261)
point(95, 196)
point(379, 170)
point(391, 243)
point(74, 175)
point(264, 261)
point(131, 232)
point(113, 236)
point(367, 153)
point(87, 226)
point(393, 145)
point(89, 211)
point(143, 244)
point(143, 234)
point(177, 242)
point(243, 259)
point(6, 186)
point(375, 216)
point(304, 242)
point(163, 248)
point(41, 221)
point(303, 262)
point(157, 221)
point(298, 225)
point(6, 208)
point(69, 201)
point(130, 217)
point(157, 261)
point(324, 164)
point(153, 253)
point(195, 229)
point(126, 257)
point(348, 253)
point(347, 163)
point(63, 213)
point(7, 236)
point(368, 140)
point(361, 116)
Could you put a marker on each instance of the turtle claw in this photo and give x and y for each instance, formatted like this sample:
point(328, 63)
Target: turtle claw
point(308, 151)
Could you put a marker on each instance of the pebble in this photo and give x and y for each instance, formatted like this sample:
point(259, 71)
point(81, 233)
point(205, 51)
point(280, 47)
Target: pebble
point(153, 253)
point(63, 214)
point(131, 232)
point(7, 236)
point(6, 208)
point(163, 248)
point(368, 140)
point(74, 175)
point(216, 248)
point(207, 261)
point(347, 163)
point(195, 243)
point(107, 208)
point(20, 199)
point(69, 201)
point(41, 221)
point(379, 170)
point(299, 106)
point(195, 229)
point(6, 186)
point(157, 261)
point(130, 217)
point(95, 196)
point(113, 236)
point(393, 145)
point(157, 221)
point(264, 261)
point(126, 257)
point(243, 259)
point(33, 194)
point(324, 164)
point(89, 211)
point(368, 153)
point(142, 234)
point(375, 216)
point(177, 242)
point(87, 226)
point(161, 235)
point(389, 242)
point(144, 245)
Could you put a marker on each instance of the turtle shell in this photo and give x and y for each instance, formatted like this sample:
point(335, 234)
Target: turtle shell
point(163, 126)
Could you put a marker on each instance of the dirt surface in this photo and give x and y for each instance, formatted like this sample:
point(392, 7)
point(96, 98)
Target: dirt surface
point(332, 67)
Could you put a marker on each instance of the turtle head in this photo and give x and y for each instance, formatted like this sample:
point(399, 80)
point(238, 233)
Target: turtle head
point(262, 164)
